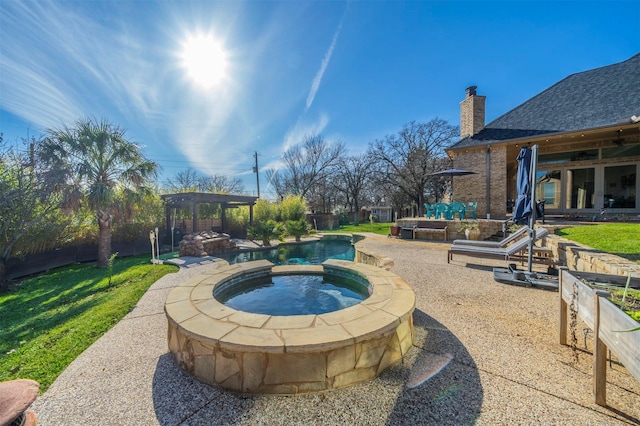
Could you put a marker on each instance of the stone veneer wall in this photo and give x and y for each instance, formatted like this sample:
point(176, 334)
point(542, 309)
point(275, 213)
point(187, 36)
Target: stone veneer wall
point(487, 229)
point(256, 353)
point(586, 259)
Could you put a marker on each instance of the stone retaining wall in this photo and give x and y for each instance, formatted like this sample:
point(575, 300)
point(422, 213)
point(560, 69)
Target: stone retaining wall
point(579, 257)
point(487, 227)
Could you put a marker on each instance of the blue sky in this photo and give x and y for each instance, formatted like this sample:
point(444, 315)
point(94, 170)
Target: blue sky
point(351, 71)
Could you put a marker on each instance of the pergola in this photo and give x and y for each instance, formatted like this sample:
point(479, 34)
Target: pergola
point(194, 199)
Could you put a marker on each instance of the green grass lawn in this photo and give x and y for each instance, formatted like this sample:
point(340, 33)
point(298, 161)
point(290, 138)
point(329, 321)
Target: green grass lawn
point(47, 321)
point(621, 239)
point(376, 228)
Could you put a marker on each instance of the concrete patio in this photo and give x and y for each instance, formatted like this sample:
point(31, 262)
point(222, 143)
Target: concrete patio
point(506, 366)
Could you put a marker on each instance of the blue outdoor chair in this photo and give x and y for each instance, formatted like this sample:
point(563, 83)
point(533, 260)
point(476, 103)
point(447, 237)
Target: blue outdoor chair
point(458, 208)
point(429, 210)
point(442, 209)
point(471, 209)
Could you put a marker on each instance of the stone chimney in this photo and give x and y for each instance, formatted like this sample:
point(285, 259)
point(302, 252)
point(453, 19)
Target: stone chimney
point(471, 113)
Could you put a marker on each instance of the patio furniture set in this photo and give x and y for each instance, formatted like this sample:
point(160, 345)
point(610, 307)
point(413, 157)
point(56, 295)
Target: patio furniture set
point(450, 210)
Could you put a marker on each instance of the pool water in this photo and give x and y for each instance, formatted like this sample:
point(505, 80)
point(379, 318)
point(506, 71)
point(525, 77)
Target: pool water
point(292, 295)
point(308, 253)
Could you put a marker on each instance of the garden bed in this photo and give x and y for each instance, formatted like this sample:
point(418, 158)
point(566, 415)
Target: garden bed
point(591, 297)
point(629, 302)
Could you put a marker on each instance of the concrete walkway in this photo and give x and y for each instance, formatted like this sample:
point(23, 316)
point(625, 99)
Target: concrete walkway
point(506, 364)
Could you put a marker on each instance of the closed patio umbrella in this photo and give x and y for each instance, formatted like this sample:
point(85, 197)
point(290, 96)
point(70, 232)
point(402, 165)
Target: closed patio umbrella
point(525, 211)
point(522, 209)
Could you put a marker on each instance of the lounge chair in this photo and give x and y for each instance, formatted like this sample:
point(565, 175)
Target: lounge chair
point(515, 251)
point(496, 244)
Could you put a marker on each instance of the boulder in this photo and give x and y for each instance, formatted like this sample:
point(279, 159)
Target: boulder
point(15, 398)
point(205, 243)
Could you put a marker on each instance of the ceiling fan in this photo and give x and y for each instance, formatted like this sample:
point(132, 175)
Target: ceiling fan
point(619, 140)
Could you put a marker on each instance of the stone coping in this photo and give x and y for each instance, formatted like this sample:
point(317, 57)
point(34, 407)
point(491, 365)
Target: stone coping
point(192, 308)
point(258, 353)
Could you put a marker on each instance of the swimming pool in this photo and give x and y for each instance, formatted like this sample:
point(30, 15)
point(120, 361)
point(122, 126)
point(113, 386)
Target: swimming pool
point(299, 294)
point(305, 253)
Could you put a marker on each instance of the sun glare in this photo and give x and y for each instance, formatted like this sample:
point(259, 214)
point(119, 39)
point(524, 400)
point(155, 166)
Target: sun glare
point(205, 60)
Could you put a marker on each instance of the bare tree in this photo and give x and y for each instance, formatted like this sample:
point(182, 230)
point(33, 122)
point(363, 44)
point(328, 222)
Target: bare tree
point(221, 184)
point(306, 166)
point(406, 160)
point(438, 186)
point(190, 180)
point(184, 181)
point(353, 176)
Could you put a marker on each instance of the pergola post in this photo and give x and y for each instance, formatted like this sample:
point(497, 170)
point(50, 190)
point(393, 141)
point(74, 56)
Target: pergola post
point(223, 219)
point(168, 222)
point(194, 206)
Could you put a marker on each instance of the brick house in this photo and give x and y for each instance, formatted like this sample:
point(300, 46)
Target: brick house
point(587, 128)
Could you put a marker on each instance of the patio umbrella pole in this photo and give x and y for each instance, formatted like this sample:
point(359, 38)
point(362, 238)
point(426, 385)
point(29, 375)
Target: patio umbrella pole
point(532, 219)
point(526, 206)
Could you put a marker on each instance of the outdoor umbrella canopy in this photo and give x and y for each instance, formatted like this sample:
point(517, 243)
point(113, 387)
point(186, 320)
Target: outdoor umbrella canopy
point(453, 172)
point(522, 210)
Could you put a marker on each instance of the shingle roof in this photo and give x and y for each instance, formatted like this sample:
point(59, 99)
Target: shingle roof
point(585, 100)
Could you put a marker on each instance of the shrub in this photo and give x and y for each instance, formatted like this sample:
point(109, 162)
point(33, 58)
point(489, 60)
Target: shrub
point(237, 220)
point(265, 210)
point(293, 207)
point(265, 231)
point(296, 228)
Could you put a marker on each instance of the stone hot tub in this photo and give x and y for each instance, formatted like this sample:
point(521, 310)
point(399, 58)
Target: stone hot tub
point(259, 353)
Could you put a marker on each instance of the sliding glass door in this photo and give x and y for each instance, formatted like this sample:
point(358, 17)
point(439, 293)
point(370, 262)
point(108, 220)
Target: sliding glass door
point(620, 187)
point(580, 188)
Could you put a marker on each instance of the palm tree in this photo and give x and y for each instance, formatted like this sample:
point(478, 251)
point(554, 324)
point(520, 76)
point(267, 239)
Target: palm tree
point(100, 161)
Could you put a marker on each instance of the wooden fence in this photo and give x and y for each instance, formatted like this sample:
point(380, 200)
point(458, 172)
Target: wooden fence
point(31, 264)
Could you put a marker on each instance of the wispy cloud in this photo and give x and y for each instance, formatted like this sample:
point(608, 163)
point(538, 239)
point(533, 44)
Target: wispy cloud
point(63, 64)
point(301, 130)
point(323, 66)
point(63, 61)
point(82, 65)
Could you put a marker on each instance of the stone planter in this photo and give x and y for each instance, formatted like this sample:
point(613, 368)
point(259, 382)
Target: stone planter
point(472, 234)
point(607, 321)
point(394, 230)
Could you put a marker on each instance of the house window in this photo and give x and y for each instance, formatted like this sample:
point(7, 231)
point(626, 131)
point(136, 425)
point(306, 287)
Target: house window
point(620, 187)
point(548, 188)
point(580, 186)
point(623, 151)
point(567, 157)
